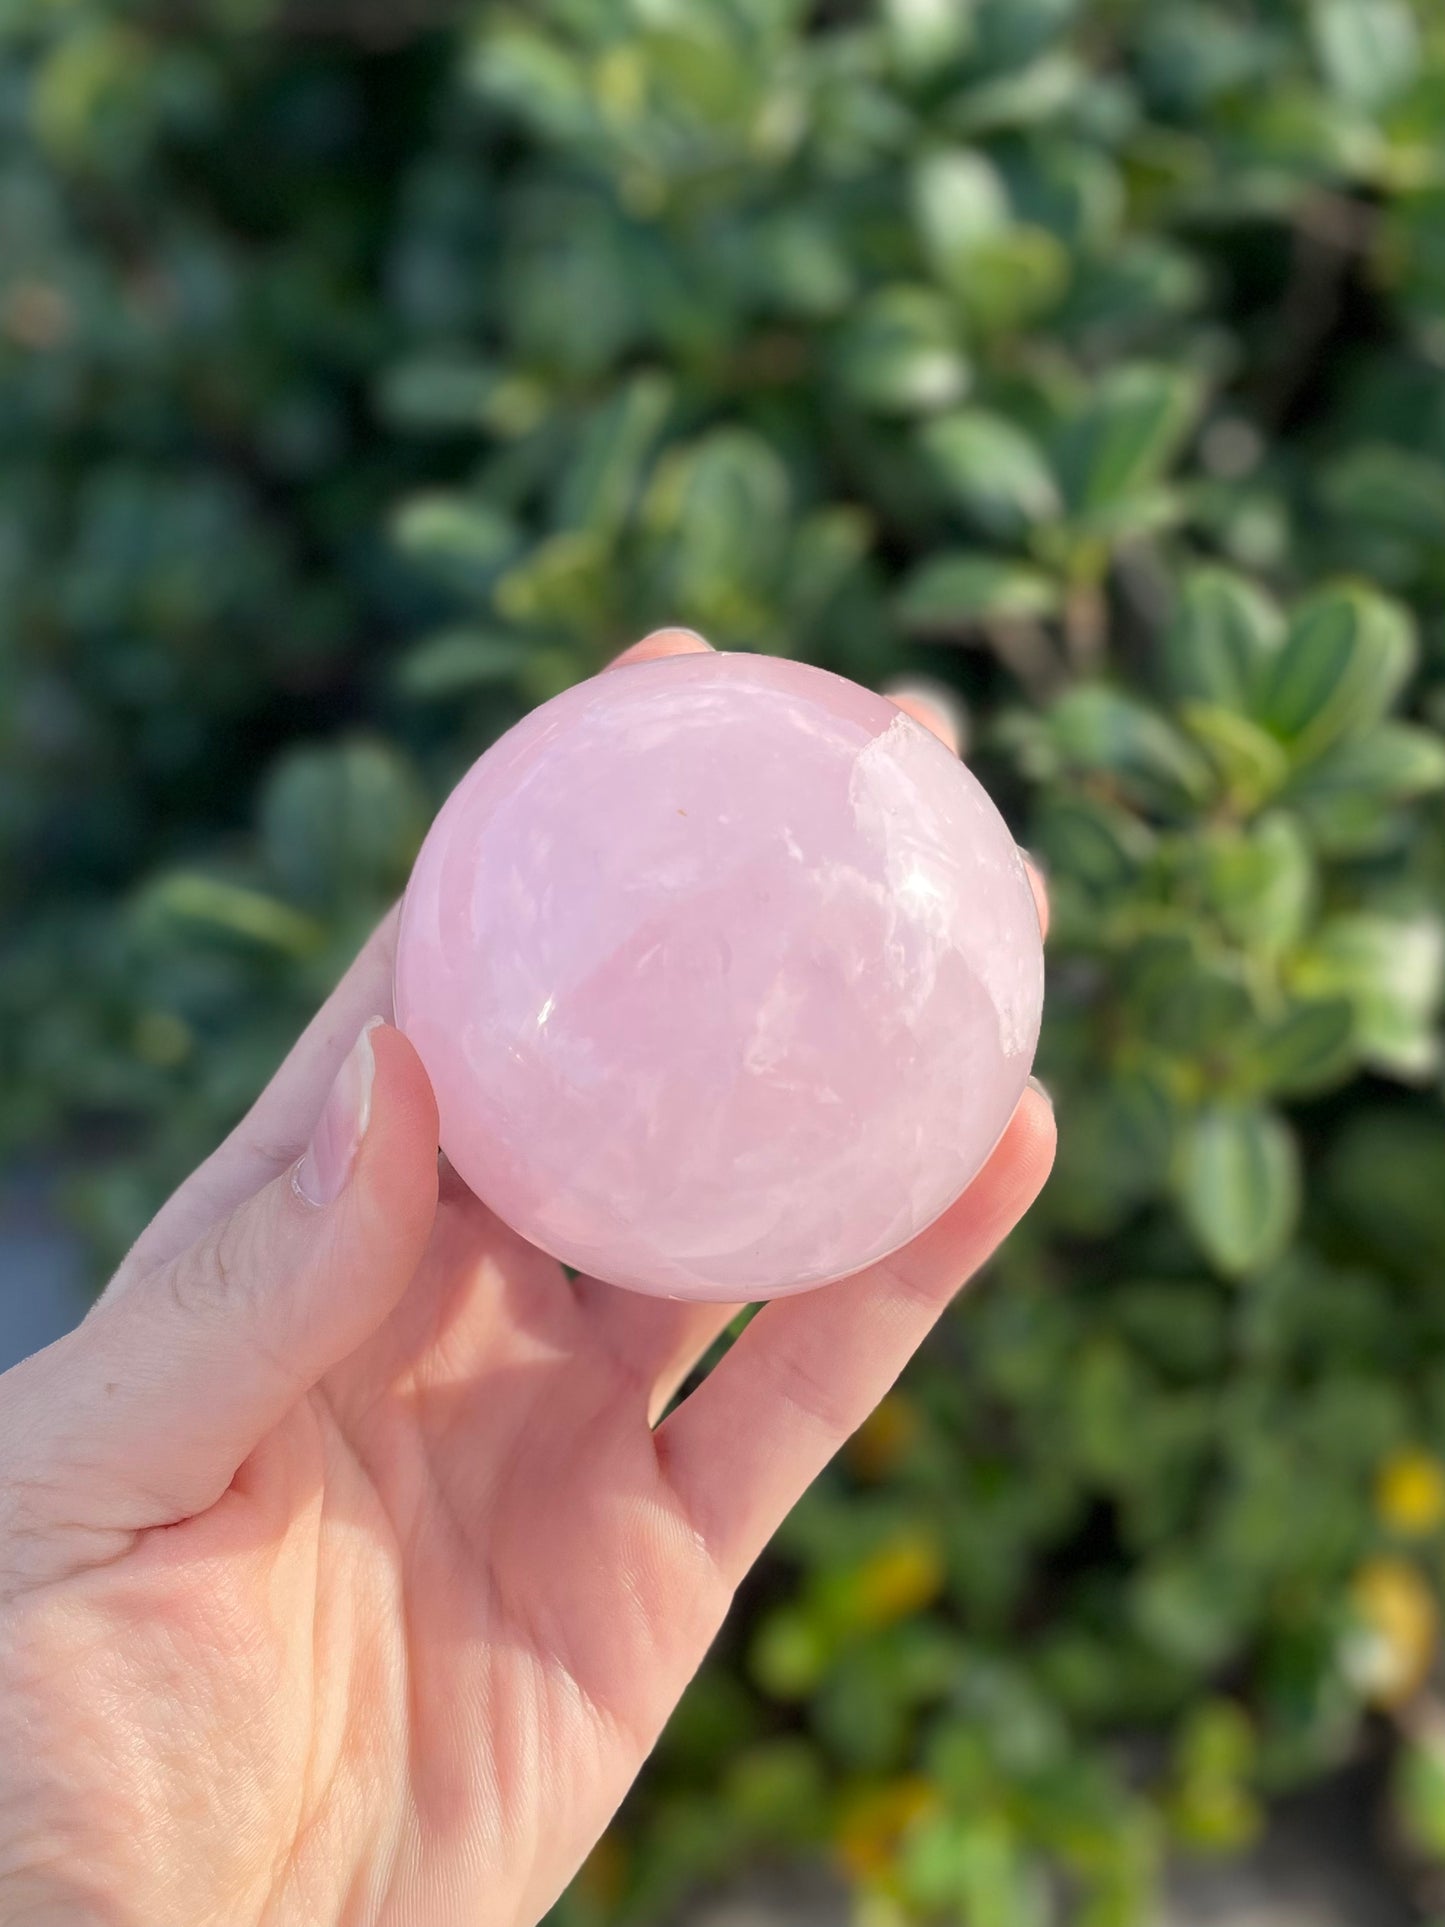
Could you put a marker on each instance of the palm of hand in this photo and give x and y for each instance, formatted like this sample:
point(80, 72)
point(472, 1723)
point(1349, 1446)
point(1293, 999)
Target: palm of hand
point(406, 1666)
point(345, 1574)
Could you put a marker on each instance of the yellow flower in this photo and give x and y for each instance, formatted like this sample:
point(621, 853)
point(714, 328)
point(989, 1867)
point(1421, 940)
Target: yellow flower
point(883, 1438)
point(875, 1821)
point(1410, 1493)
point(901, 1578)
point(163, 1039)
point(1390, 1656)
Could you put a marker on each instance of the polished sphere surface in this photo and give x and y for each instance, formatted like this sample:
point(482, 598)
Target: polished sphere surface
point(726, 973)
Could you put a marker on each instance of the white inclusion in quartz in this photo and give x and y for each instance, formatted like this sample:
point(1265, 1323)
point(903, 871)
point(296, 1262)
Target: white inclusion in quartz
point(891, 806)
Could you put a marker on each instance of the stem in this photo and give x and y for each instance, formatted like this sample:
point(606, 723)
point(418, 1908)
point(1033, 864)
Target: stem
point(1024, 649)
point(1085, 626)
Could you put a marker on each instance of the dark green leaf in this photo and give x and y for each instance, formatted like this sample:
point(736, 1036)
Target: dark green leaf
point(1114, 1149)
point(1105, 732)
point(1343, 663)
point(1222, 642)
point(1093, 844)
point(1348, 786)
point(1309, 1049)
point(1188, 1004)
point(1377, 485)
point(602, 481)
point(341, 821)
point(1128, 435)
point(440, 393)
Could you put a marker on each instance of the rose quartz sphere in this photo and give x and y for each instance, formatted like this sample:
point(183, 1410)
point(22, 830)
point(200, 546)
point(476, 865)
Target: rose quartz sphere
point(727, 976)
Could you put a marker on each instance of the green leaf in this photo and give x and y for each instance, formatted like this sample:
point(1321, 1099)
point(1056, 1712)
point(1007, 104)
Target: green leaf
point(1239, 1186)
point(789, 1654)
point(1104, 732)
point(1011, 33)
point(1393, 970)
point(827, 550)
point(1383, 1179)
point(798, 262)
point(926, 36)
point(901, 354)
point(959, 199)
point(1348, 654)
point(991, 470)
point(1344, 796)
point(1309, 1049)
point(438, 393)
point(1222, 641)
point(562, 582)
point(341, 821)
point(1123, 296)
point(1012, 278)
point(601, 483)
point(949, 594)
point(1419, 1788)
point(232, 910)
point(1038, 93)
point(1178, 1607)
point(464, 539)
point(721, 512)
point(1379, 485)
point(1190, 1005)
point(1260, 882)
point(1369, 49)
point(1252, 764)
point(532, 76)
point(1114, 1150)
point(1127, 436)
point(457, 660)
point(1093, 844)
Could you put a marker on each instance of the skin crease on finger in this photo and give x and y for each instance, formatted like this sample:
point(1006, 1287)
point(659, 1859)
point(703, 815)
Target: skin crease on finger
point(344, 1575)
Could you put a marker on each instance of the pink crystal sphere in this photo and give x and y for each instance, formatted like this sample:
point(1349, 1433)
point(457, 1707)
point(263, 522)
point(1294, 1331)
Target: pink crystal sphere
point(727, 976)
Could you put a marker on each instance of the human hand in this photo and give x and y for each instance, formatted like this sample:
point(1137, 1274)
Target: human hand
point(346, 1573)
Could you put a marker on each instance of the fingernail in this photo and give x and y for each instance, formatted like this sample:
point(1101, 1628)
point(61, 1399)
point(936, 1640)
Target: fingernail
point(680, 629)
point(1043, 1091)
point(1035, 863)
point(321, 1176)
point(947, 705)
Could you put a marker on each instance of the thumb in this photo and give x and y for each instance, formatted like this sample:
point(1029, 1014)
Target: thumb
point(158, 1397)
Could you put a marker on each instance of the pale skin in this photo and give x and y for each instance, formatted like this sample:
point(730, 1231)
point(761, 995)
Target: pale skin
point(346, 1572)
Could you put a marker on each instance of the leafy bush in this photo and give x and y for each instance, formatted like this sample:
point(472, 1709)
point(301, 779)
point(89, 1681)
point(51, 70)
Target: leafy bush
point(358, 392)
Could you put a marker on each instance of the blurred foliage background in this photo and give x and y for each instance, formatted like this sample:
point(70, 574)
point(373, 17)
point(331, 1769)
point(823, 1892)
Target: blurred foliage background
point(369, 373)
